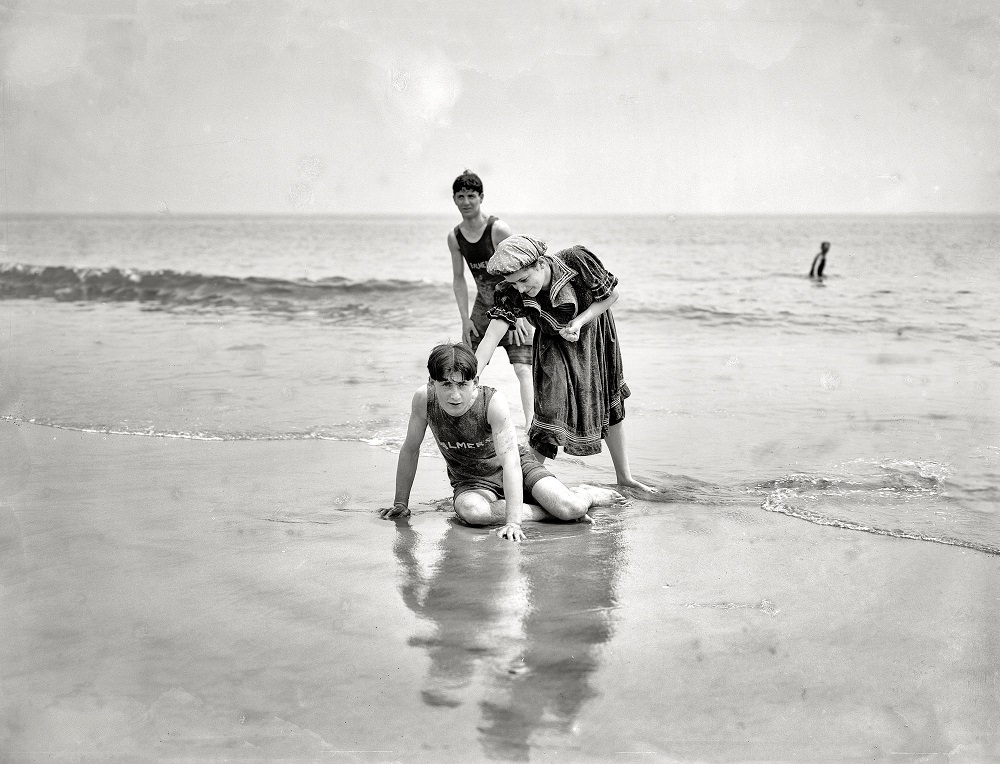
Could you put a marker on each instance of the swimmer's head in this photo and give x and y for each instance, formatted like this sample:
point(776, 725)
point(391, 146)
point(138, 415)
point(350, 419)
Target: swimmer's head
point(825, 246)
point(468, 181)
point(453, 358)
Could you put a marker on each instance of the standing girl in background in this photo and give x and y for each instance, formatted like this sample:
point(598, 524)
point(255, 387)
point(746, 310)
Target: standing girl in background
point(579, 383)
point(472, 243)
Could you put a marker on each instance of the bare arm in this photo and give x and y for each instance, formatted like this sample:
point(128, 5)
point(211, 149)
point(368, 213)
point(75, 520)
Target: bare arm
point(409, 455)
point(572, 330)
point(505, 442)
point(501, 231)
point(494, 333)
point(522, 331)
point(460, 287)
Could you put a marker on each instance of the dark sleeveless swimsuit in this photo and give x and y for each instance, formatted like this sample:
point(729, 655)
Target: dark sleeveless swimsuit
point(477, 254)
point(466, 443)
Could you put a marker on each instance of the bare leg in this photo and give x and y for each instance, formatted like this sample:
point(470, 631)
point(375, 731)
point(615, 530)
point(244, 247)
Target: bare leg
point(481, 507)
point(572, 503)
point(619, 456)
point(523, 373)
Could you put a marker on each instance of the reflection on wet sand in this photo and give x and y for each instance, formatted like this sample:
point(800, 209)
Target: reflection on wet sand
point(515, 628)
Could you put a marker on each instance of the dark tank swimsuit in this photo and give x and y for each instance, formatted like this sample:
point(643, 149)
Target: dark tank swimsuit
point(466, 443)
point(477, 254)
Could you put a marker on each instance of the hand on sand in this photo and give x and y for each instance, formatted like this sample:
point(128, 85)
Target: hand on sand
point(511, 532)
point(396, 510)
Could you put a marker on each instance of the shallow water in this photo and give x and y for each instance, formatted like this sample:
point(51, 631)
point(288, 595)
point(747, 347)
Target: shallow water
point(745, 374)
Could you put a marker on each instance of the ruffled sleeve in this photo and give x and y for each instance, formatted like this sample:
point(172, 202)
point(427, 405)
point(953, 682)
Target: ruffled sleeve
point(507, 304)
point(594, 277)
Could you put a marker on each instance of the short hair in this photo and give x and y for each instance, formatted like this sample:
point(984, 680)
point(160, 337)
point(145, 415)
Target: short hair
point(469, 180)
point(449, 358)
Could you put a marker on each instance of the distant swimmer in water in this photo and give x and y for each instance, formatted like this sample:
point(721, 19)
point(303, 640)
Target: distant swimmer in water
point(819, 262)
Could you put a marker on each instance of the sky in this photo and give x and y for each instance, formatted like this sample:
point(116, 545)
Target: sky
point(561, 106)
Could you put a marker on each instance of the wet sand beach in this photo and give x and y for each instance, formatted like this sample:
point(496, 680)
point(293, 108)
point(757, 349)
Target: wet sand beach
point(229, 240)
point(183, 600)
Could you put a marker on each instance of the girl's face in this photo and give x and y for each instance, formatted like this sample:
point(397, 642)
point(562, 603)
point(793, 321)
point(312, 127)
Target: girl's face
point(531, 280)
point(468, 202)
point(456, 395)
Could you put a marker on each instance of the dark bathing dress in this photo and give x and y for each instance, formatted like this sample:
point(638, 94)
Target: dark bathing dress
point(580, 387)
point(477, 254)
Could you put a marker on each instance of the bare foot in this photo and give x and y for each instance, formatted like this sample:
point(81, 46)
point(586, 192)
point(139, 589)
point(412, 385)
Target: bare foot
point(633, 483)
point(602, 497)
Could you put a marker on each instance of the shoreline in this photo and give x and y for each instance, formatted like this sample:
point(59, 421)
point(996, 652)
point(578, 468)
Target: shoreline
point(242, 601)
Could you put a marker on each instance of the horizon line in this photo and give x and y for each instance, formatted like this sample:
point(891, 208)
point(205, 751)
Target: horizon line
point(383, 215)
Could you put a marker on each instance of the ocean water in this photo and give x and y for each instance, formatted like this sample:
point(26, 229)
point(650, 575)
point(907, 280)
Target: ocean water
point(868, 400)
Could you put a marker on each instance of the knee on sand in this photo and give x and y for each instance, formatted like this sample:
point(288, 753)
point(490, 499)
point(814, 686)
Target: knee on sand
point(562, 503)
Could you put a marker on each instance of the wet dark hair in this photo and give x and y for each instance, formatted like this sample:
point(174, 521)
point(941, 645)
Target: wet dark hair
point(445, 360)
point(469, 180)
